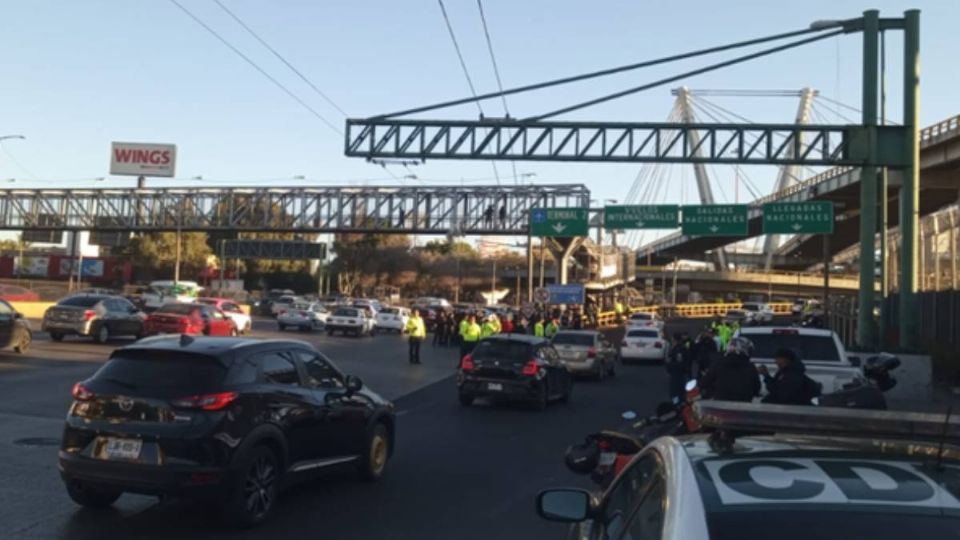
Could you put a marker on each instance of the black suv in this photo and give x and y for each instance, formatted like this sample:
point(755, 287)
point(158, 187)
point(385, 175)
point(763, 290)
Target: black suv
point(231, 419)
point(514, 366)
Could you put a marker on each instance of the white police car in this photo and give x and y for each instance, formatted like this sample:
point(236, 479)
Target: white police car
point(826, 474)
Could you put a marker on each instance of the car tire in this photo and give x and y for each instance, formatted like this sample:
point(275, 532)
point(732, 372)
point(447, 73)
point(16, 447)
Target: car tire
point(23, 342)
point(466, 399)
point(255, 490)
point(373, 462)
point(102, 334)
point(543, 397)
point(56, 336)
point(90, 496)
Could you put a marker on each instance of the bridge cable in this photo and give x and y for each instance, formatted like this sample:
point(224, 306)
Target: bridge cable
point(602, 73)
point(258, 68)
point(674, 78)
point(280, 57)
point(496, 72)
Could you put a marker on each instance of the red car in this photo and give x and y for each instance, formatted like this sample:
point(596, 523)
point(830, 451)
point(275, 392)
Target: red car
point(13, 293)
point(192, 319)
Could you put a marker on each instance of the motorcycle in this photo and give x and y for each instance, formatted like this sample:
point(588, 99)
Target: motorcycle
point(868, 392)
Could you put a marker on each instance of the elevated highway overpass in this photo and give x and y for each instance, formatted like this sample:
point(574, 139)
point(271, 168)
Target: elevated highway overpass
point(773, 284)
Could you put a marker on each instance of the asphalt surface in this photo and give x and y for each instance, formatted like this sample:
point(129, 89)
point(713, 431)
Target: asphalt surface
point(456, 472)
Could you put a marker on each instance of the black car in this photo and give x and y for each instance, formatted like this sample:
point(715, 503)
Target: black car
point(15, 331)
point(100, 316)
point(229, 419)
point(514, 366)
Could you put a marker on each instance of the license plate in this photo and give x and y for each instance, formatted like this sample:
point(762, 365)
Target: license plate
point(494, 386)
point(122, 448)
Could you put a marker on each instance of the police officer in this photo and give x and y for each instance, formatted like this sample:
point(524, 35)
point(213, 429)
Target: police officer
point(538, 328)
point(552, 328)
point(732, 377)
point(488, 328)
point(469, 336)
point(678, 364)
point(791, 385)
point(418, 332)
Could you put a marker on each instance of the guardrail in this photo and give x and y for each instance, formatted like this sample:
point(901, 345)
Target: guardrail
point(940, 128)
point(693, 311)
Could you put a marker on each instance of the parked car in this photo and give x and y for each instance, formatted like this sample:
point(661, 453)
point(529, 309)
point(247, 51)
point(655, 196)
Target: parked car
point(757, 313)
point(737, 316)
point(163, 292)
point(514, 366)
point(226, 420)
point(191, 319)
point(231, 309)
point(350, 320)
point(95, 315)
point(283, 303)
point(15, 331)
point(644, 344)
point(15, 293)
point(393, 318)
point(304, 316)
point(639, 319)
point(586, 352)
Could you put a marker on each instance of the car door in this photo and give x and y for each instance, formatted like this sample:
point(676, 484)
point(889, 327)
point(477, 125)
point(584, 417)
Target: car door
point(220, 324)
point(345, 418)
point(128, 317)
point(634, 506)
point(8, 322)
point(557, 376)
point(288, 403)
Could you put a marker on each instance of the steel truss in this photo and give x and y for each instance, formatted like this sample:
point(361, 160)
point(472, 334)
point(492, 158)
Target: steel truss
point(414, 210)
point(766, 144)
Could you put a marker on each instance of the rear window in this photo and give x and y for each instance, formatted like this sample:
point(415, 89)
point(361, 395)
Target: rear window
point(177, 309)
point(641, 316)
point(803, 524)
point(501, 348)
point(342, 312)
point(808, 347)
point(160, 373)
point(736, 313)
point(751, 307)
point(390, 311)
point(643, 333)
point(207, 302)
point(81, 301)
point(563, 338)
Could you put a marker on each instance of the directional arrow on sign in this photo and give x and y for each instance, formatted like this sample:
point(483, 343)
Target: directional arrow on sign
point(640, 224)
point(559, 227)
point(797, 226)
point(714, 228)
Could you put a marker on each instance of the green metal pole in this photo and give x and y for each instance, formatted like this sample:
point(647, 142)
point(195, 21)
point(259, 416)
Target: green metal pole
point(910, 192)
point(866, 330)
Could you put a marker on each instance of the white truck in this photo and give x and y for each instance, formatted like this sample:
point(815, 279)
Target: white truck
point(165, 292)
point(822, 353)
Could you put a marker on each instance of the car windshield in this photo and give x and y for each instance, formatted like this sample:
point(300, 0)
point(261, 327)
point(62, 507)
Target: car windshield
point(809, 347)
point(643, 334)
point(343, 312)
point(390, 311)
point(803, 524)
point(569, 338)
point(177, 309)
point(160, 373)
point(502, 348)
point(81, 301)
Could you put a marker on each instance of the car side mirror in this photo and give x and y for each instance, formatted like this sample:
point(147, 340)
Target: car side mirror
point(353, 384)
point(17, 315)
point(565, 505)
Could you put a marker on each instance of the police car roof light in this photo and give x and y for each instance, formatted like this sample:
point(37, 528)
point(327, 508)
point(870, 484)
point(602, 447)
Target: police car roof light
point(828, 421)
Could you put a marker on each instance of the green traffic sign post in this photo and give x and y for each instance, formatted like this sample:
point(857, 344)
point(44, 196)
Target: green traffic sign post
point(660, 216)
point(558, 222)
point(814, 217)
point(714, 220)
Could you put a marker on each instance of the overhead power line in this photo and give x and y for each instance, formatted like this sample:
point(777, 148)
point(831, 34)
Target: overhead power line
point(280, 57)
point(496, 72)
point(246, 58)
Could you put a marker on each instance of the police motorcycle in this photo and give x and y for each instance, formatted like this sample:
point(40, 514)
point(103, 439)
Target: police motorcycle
point(865, 393)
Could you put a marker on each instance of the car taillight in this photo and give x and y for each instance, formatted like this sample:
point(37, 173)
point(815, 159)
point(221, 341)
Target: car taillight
point(658, 344)
point(206, 402)
point(530, 368)
point(591, 353)
point(89, 314)
point(467, 363)
point(81, 392)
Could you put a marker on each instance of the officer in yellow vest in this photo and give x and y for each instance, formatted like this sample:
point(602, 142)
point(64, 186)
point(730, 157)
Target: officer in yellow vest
point(418, 332)
point(495, 322)
point(552, 328)
point(469, 336)
point(538, 328)
point(488, 328)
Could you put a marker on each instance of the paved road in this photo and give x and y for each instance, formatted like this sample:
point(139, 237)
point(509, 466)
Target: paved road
point(457, 472)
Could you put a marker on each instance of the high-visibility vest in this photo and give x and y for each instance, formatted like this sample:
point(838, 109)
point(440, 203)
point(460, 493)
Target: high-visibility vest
point(497, 327)
point(552, 329)
point(487, 329)
point(416, 328)
point(463, 326)
point(472, 333)
point(538, 329)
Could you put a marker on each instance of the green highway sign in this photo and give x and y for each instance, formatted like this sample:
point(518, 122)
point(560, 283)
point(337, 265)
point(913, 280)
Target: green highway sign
point(558, 222)
point(661, 216)
point(813, 217)
point(715, 220)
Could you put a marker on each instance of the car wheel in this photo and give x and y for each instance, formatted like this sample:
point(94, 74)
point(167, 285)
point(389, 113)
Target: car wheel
point(54, 336)
point(23, 342)
point(282, 327)
point(91, 496)
point(374, 460)
point(255, 490)
point(540, 403)
point(102, 334)
point(466, 399)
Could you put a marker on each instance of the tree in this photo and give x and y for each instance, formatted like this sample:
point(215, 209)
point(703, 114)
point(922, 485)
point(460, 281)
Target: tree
point(375, 255)
point(155, 254)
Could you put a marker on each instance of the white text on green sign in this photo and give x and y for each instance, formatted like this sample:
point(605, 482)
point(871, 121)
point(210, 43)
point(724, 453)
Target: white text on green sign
point(661, 216)
point(715, 220)
point(812, 217)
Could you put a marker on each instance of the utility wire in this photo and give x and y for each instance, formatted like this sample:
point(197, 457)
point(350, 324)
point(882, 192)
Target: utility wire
point(280, 57)
point(603, 72)
point(706, 69)
point(496, 72)
point(258, 68)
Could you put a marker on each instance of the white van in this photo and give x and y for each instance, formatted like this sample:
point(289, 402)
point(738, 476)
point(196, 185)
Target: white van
point(164, 292)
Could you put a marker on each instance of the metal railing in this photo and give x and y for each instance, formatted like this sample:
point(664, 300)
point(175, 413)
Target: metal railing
point(693, 311)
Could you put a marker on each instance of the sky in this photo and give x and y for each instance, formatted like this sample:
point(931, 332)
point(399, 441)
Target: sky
point(80, 74)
